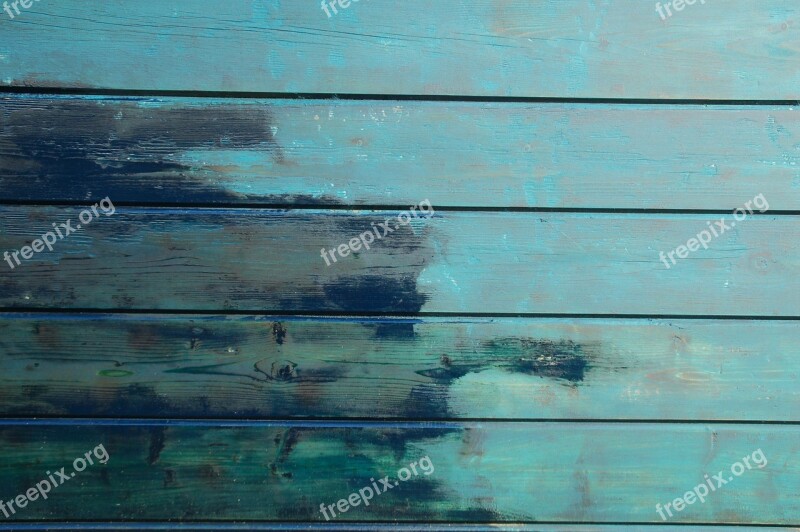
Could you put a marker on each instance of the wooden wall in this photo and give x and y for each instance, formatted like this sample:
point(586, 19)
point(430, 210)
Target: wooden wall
point(523, 333)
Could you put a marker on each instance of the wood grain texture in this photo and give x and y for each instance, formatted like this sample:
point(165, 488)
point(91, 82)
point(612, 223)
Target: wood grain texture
point(484, 472)
point(548, 364)
point(565, 48)
point(262, 260)
point(317, 152)
point(427, 368)
point(370, 527)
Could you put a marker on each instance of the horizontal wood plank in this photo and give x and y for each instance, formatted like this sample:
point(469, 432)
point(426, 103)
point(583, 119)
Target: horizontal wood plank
point(478, 472)
point(569, 48)
point(478, 262)
point(380, 527)
point(147, 150)
point(432, 368)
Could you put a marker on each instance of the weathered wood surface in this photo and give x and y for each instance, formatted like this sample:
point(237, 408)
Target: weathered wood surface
point(425, 368)
point(278, 389)
point(569, 48)
point(488, 262)
point(147, 150)
point(370, 527)
point(484, 472)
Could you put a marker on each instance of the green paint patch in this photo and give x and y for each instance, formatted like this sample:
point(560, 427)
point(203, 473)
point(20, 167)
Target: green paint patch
point(115, 373)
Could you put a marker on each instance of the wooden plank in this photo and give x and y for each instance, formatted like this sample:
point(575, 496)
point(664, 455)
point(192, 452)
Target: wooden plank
point(269, 260)
point(434, 368)
point(318, 152)
point(369, 527)
point(569, 48)
point(479, 472)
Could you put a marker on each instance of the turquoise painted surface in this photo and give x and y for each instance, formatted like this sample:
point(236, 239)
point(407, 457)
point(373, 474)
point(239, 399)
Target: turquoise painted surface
point(737, 49)
point(323, 152)
point(476, 262)
point(484, 472)
point(430, 368)
point(567, 421)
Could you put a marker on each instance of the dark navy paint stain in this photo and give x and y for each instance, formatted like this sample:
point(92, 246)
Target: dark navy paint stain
point(427, 401)
point(278, 332)
point(452, 372)
point(563, 359)
point(157, 438)
point(127, 399)
point(386, 281)
point(394, 331)
point(88, 149)
point(169, 478)
point(283, 370)
point(285, 443)
point(375, 293)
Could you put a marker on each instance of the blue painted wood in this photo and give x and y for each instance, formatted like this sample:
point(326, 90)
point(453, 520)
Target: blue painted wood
point(434, 376)
point(318, 152)
point(477, 262)
point(564, 48)
point(480, 472)
point(422, 368)
point(403, 527)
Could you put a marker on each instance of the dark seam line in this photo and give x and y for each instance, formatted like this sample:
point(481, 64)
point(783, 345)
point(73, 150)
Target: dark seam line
point(382, 97)
point(185, 523)
point(365, 524)
point(389, 314)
